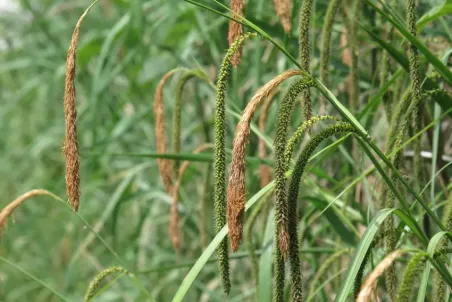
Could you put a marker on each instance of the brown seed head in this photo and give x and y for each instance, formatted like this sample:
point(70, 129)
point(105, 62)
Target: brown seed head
point(236, 29)
point(174, 229)
point(165, 166)
point(9, 209)
point(283, 9)
point(236, 194)
point(264, 169)
point(368, 288)
point(70, 146)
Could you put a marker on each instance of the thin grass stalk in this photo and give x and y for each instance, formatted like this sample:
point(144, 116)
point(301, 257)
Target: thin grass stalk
point(249, 237)
point(354, 46)
point(323, 269)
point(236, 194)
point(220, 159)
point(264, 170)
point(283, 10)
point(439, 285)
point(385, 67)
point(166, 167)
point(305, 52)
point(236, 29)
point(97, 281)
point(325, 48)
point(70, 146)
point(174, 228)
point(292, 197)
point(411, 275)
point(9, 209)
point(369, 286)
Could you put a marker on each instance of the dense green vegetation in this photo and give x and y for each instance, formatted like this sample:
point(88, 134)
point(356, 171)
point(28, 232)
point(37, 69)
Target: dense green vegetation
point(326, 148)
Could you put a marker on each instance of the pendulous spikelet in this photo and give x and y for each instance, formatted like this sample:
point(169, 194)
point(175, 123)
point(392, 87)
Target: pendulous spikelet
point(219, 163)
point(97, 281)
point(412, 272)
point(325, 47)
point(298, 134)
point(9, 209)
point(281, 212)
point(305, 52)
point(165, 166)
point(292, 197)
point(70, 146)
point(369, 285)
point(236, 194)
point(415, 78)
point(174, 229)
point(284, 114)
point(283, 9)
point(236, 29)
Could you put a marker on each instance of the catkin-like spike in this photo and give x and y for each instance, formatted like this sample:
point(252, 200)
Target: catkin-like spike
point(398, 119)
point(70, 146)
point(249, 237)
point(415, 78)
point(283, 9)
point(165, 166)
point(236, 195)
point(284, 114)
point(9, 209)
point(97, 281)
point(298, 134)
point(220, 159)
point(412, 272)
point(371, 281)
point(354, 43)
point(325, 47)
point(262, 148)
point(279, 274)
point(292, 197)
point(177, 110)
point(174, 229)
point(360, 274)
point(323, 269)
point(305, 52)
point(236, 29)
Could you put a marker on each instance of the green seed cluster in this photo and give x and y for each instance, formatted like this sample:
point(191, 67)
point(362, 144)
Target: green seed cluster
point(412, 272)
point(281, 220)
point(292, 198)
point(305, 51)
point(415, 87)
point(220, 158)
point(360, 274)
point(298, 134)
point(325, 45)
point(95, 284)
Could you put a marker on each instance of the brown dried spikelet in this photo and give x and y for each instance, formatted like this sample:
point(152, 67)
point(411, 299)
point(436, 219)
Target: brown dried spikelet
point(283, 9)
point(70, 146)
point(174, 231)
point(262, 149)
point(236, 29)
point(236, 194)
point(365, 294)
point(9, 209)
point(165, 166)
